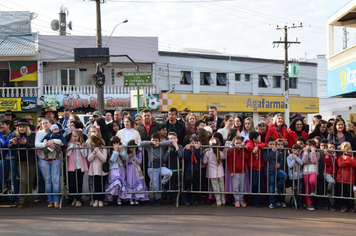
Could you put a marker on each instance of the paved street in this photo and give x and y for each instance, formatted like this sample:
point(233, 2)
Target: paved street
point(168, 220)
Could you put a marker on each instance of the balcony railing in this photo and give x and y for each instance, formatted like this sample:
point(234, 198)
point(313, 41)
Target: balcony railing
point(342, 58)
point(92, 89)
point(19, 92)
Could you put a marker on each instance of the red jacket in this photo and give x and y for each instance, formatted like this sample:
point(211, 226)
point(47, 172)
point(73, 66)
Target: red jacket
point(281, 133)
point(236, 162)
point(331, 164)
point(344, 172)
point(254, 160)
point(292, 137)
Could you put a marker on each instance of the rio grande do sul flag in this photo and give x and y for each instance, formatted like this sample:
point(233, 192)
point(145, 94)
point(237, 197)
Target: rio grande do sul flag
point(23, 71)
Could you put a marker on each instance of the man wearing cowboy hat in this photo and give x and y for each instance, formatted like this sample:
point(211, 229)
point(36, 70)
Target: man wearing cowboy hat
point(52, 114)
point(9, 115)
point(30, 123)
point(184, 113)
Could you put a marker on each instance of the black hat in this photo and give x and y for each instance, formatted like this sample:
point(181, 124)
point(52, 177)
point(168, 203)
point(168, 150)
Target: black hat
point(49, 109)
point(22, 121)
point(9, 112)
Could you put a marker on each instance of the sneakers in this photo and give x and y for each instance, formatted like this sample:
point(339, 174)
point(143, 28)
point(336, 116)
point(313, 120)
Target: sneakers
point(185, 203)
point(216, 205)
point(78, 204)
point(50, 204)
point(272, 206)
point(74, 202)
point(278, 204)
point(310, 208)
point(132, 203)
point(101, 204)
point(332, 208)
point(20, 207)
point(344, 209)
point(91, 202)
point(96, 203)
point(119, 202)
point(56, 205)
point(243, 204)
point(284, 205)
point(158, 202)
point(237, 204)
point(136, 202)
point(312, 192)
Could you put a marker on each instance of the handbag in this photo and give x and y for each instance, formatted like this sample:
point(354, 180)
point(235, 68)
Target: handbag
point(105, 166)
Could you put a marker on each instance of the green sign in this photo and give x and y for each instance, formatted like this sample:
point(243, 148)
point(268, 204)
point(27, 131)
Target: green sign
point(137, 79)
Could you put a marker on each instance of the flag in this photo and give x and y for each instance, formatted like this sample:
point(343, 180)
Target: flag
point(23, 71)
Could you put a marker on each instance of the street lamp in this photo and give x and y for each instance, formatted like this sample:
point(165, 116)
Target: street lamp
point(125, 21)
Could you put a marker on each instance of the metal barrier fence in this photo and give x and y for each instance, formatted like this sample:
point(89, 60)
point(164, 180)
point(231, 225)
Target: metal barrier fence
point(148, 171)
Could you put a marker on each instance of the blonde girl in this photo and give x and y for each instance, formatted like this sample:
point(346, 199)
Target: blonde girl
point(97, 156)
point(213, 157)
point(77, 165)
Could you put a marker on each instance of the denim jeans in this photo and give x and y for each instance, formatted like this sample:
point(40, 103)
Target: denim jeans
point(257, 186)
point(7, 165)
point(51, 171)
point(281, 178)
point(297, 197)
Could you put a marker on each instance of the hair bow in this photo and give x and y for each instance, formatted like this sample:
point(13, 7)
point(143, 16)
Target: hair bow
point(213, 141)
point(97, 126)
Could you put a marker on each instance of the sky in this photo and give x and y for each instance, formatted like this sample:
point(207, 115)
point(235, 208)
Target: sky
point(236, 27)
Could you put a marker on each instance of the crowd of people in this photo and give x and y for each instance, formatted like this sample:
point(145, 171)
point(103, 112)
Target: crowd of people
point(121, 155)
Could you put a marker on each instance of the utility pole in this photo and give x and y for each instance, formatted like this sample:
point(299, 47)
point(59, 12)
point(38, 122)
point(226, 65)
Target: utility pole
point(62, 22)
point(99, 66)
point(286, 75)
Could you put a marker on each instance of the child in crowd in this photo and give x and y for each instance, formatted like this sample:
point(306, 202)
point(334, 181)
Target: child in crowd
point(156, 168)
point(255, 164)
point(230, 135)
point(77, 165)
point(173, 158)
point(54, 134)
point(301, 141)
point(162, 131)
point(310, 159)
point(117, 176)
point(236, 166)
point(135, 178)
point(213, 157)
point(96, 158)
point(330, 172)
point(192, 155)
point(321, 202)
point(275, 162)
point(346, 172)
point(317, 142)
point(283, 153)
point(295, 173)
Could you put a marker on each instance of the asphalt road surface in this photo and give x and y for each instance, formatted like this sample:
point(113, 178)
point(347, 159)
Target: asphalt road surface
point(169, 220)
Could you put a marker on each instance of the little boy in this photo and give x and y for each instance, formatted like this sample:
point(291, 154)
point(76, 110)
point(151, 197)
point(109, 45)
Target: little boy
point(162, 131)
point(192, 156)
point(330, 172)
point(172, 157)
point(54, 134)
point(295, 173)
point(256, 164)
point(322, 202)
point(155, 151)
point(275, 162)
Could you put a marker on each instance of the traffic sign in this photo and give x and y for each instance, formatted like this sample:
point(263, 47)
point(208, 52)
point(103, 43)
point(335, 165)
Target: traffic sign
point(137, 79)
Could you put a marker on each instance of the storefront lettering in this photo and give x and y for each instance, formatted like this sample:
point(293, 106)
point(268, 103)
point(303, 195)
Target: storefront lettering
point(255, 104)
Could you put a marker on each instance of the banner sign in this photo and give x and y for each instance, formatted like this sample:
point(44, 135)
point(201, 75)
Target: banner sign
point(27, 104)
point(236, 103)
point(341, 80)
point(84, 102)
